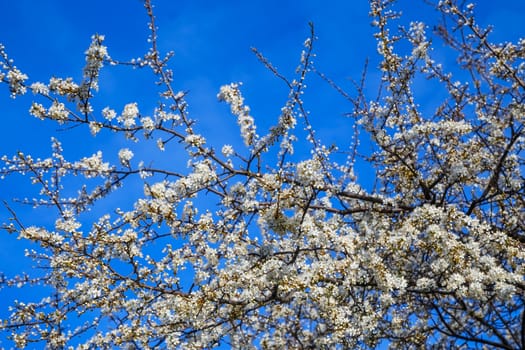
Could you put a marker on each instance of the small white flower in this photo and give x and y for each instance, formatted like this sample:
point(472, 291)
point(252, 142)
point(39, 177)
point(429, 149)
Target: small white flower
point(227, 150)
point(148, 124)
point(194, 140)
point(16, 81)
point(160, 144)
point(58, 111)
point(37, 110)
point(40, 88)
point(63, 86)
point(125, 156)
point(128, 115)
point(94, 127)
point(92, 166)
point(109, 114)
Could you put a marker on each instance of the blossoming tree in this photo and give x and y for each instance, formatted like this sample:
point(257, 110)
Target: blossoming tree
point(258, 247)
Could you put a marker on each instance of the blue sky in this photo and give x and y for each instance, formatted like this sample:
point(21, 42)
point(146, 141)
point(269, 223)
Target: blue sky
point(211, 41)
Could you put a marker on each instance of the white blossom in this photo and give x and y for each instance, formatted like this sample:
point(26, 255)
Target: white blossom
point(95, 56)
point(160, 144)
point(38, 110)
point(58, 111)
point(95, 128)
point(63, 86)
point(232, 95)
point(16, 80)
point(92, 166)
point(109, 114)
point(125, 156)
point(227, 150)
point(40, 88)
point(128, 115)
point(148, 124)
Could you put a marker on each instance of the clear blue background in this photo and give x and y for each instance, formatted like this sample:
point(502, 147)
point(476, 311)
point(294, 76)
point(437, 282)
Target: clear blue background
point(211, 41)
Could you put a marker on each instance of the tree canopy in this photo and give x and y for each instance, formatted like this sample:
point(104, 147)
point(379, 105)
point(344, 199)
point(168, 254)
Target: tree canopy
point(283, 241)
